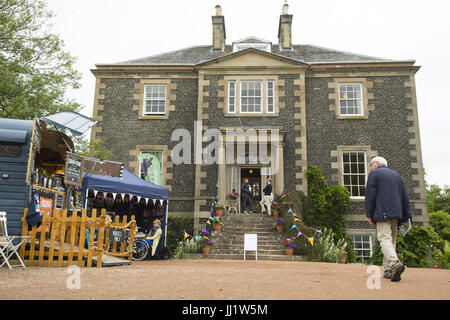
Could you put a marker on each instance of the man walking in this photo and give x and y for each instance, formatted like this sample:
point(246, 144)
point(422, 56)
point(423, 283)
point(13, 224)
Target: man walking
point(387, 207)
point(267, 197)
point(246, 196)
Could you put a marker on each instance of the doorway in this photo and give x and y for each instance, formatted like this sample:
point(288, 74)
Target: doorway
point(254, 181)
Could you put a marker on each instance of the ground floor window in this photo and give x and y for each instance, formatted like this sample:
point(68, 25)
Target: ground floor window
point(151, 165)
point(362, 243)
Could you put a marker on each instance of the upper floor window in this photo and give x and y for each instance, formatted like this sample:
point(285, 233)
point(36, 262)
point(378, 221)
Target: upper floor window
point(350, 99)
point(154, 99)
point(354, 173)
point(251, 97)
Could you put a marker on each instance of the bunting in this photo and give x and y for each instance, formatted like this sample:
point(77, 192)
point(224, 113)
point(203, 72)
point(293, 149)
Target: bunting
point(311, 240)
point(186, 235)
point(299, 234)
point(294, 226)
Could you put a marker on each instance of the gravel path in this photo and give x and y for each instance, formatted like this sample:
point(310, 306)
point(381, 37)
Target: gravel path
point(222, 280)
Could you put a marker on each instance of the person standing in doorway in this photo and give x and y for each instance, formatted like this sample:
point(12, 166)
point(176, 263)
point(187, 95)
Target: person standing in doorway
point(267, 197)
point(246, 196)
point(387, 207)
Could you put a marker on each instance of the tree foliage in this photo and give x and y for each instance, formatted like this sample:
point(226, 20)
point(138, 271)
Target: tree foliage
point(438, 198)
point(93, 148)
point(35, 71)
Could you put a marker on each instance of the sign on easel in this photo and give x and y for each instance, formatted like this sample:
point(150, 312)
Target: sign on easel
point(251, 243)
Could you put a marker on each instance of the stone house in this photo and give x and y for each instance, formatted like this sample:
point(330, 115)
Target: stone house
point(329, 108)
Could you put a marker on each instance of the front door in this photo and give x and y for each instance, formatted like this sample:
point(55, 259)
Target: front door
point(254, 180)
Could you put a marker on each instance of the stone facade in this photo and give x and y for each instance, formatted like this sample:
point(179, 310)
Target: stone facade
point(306, 82)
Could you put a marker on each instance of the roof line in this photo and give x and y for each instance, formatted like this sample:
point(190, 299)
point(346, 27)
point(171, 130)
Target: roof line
point(260, 39)
point(362, 62)
point(346, 52)
point(164, 53)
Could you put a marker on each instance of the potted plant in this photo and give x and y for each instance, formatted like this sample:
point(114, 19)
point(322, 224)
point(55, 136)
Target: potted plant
point(289, 246)
point(205, 245)
point(218, 208)
point(275, 209)
point(343, 257)
point(233, 195)
point(280, 225)
point(217, 223)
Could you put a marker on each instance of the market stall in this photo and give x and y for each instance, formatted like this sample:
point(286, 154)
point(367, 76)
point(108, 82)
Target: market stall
point(128, 195)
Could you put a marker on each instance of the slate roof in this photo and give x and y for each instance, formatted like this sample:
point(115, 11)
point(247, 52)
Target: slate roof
point(252, 40)
point(303, 53)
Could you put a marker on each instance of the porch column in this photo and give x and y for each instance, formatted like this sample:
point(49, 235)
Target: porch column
point(279, 188)
point(222, 172)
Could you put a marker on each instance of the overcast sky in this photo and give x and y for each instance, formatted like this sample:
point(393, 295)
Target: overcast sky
point(108, 31)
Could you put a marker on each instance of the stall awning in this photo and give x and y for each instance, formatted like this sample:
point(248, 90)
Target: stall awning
point(75, 122)
point(16, 136)
point(129, 184)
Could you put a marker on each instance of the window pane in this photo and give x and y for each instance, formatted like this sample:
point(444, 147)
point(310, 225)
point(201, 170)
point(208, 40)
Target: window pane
point(346, 180)
point(346, 157)
point(346, 168)
point(354, 168)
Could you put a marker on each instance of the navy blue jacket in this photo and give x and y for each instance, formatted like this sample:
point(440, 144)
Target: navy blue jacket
point(386, 196)
point(268, 189)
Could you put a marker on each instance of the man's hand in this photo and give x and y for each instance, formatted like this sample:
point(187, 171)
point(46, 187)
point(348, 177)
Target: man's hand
point(371, 222)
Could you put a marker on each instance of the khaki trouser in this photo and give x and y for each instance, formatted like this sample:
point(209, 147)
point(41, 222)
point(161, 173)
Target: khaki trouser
point(387, 235)
point(266, 200)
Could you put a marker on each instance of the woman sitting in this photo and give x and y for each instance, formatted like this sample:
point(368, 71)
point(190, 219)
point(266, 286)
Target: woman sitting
point(155, 235)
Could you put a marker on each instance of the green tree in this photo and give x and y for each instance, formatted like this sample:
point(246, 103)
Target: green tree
point(94, 148)
point(438, 198)
point(440, 221)
point(35, 71)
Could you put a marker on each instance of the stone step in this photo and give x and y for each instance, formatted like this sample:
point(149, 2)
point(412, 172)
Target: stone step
point(241, 251)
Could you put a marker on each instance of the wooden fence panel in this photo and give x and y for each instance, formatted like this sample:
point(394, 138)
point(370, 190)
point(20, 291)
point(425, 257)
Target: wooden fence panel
point(101, 234)
point(55, 229)
point(62, 238)
point(42, 237)
point(92, 222)
point(73, 233)
point(82, 238)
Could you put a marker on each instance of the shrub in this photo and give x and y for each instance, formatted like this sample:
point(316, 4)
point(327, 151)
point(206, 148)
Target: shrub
point(187, 246)
point(176, 226)
point(326, 205)
point(326, 248)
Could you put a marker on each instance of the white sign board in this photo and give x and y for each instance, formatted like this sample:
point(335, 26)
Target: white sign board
point(251, 243)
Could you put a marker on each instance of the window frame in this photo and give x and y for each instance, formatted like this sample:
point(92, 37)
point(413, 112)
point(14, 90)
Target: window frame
point(361, 99)
point(250, 97)
point(272, 96)
point(232, 97)
point(161, 160)
point(363, 258)
point(144, 105)
point(343, 152)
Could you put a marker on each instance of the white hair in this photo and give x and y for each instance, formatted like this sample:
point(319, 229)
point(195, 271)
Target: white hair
point(379, 160)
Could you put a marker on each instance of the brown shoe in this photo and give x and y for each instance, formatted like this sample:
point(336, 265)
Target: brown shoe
point(397, 270)
point(387, 274)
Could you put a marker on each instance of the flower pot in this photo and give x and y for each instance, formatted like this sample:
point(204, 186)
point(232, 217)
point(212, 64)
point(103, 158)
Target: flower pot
point(217, 227)
point(276, 213)
point(280, 227)
point(289, 251)
point(343, 259)
point(205, 249)
point(219, 212)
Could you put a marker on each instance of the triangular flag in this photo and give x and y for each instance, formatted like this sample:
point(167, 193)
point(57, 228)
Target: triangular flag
point(297, 220)
point(211, 218)
point(123, 195)
point(208, 222)
point(290, 210)
point(138, 198)
point(294, 226)
point(95, 193)
point(186, 235)
point(294, 215)
point(299, 234)
point(114, 195)
point(197, 238)
point(154, 201)
point(311, 240)
point(318, 231)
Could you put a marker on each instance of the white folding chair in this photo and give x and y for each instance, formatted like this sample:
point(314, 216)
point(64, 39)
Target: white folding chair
point(7, 247)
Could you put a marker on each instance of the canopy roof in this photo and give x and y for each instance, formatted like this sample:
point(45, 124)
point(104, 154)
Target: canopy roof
point(129, 184)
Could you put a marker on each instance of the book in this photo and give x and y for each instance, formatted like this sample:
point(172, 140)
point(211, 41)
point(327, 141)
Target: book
point(404, 229)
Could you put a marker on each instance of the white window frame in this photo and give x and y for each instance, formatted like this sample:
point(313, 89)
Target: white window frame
point(362, 242)
point(344, 174)
point(360, 99)
point(249, 97)
point(234, 180)
point(230, 96)
point(144, 105)
point(272, 96)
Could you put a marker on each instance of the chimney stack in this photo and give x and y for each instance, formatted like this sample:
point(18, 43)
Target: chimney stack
point(219, 34)
point(285, 28)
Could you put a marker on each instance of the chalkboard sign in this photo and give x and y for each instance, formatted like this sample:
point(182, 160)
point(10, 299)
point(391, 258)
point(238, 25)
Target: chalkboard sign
point(74, 170)
point(117, 236)
point(59, 201)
